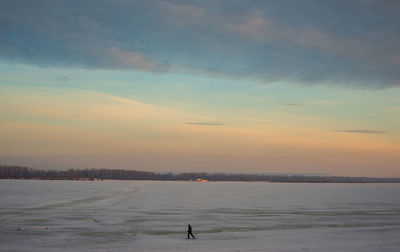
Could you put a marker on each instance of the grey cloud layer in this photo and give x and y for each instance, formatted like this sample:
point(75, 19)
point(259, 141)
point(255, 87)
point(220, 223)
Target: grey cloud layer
point(354, 43)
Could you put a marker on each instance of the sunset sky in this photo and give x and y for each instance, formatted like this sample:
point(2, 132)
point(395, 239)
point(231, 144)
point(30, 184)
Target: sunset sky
point(215, 86)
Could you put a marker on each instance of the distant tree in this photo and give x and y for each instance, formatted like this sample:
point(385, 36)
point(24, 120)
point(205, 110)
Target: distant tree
point(19, 172)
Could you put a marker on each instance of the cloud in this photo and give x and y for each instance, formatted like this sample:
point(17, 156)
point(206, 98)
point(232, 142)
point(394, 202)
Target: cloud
point(252, 25)
point(327, 102)
point(313, 43)
point(360, 131)
point(125, 60)
point(206, 123)
point(293, 104)
point(64, 78)
point(185, 11)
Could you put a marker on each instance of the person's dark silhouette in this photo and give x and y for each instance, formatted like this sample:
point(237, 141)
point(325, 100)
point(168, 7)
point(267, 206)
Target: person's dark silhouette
point(189, 232)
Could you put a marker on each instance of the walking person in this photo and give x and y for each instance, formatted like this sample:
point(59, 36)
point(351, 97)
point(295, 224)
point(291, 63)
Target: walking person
point(189, 232)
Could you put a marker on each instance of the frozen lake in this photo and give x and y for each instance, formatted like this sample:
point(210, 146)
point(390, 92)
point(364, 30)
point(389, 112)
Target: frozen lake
point(225, 216)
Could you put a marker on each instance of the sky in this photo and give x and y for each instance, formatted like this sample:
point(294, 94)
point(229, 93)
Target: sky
point(306, 86)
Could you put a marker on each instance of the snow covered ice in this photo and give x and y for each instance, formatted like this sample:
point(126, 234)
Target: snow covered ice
point(225, 216)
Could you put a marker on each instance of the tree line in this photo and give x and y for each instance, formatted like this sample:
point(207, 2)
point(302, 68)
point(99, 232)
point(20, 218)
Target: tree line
point(21, 172)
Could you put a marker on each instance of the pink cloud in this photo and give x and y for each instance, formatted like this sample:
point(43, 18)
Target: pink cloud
point(127, 59)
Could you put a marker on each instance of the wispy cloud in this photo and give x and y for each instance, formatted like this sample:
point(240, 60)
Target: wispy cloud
point(127, 59)
point(187, 11)
point(327, 102)
point(361, 131)
point(206, 123)
point(64, 78)
point(292, 104)
point(252, 25)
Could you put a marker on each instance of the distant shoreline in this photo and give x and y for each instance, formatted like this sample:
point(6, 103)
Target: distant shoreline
point(21, 172)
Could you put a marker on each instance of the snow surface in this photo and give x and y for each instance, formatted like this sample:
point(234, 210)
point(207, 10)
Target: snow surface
point(225, 216)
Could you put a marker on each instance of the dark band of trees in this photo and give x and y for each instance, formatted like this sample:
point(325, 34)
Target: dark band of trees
point(19, 172)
